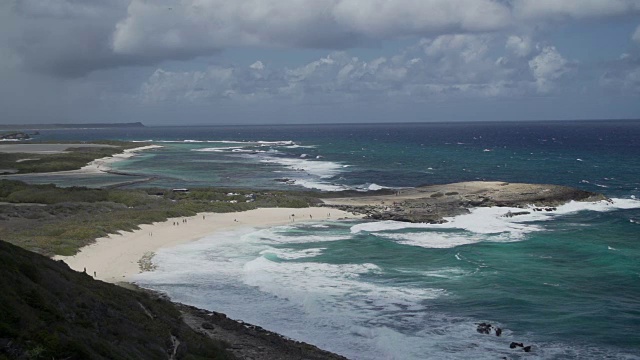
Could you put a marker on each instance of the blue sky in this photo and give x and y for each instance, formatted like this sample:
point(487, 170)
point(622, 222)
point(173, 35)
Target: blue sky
point(318, 61)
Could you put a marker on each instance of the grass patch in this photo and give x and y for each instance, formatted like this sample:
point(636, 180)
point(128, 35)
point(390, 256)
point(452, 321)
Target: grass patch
point(74, 159)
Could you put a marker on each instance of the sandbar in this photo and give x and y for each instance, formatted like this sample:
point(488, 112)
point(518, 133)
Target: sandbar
point(115, 258)
point(103, 164)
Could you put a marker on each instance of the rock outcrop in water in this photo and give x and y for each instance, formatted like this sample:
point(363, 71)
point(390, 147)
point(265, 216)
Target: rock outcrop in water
point(431, 204)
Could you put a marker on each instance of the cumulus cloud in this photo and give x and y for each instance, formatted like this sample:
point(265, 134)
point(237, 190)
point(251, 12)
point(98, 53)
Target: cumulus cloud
point(521, 46)
point(434, 69)
point(548, 67)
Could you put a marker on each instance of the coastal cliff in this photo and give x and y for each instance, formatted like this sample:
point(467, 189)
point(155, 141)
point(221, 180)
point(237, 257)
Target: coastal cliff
point(431, 204)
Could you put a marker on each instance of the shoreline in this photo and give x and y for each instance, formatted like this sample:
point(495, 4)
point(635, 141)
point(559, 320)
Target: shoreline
point(118, 257)
point(94, 166)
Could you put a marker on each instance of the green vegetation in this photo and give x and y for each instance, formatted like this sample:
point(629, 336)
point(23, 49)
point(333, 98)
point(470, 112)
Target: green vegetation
point(73, 159)
point(52, 220)
point(48, 311)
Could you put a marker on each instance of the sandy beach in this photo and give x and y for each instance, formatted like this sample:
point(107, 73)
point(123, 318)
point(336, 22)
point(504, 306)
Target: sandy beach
point(115, 258)
point(103, 164)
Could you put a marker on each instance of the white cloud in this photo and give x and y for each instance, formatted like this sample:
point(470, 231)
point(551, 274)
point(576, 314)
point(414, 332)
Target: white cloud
point(72, 38)
point(258, 65)
point(169, 29)
point(444, 67)
point(578, 9)
point(520, 45)
point(548, 67)
point(636, 35)
point(389, 18)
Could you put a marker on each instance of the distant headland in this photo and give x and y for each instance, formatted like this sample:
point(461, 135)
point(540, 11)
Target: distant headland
point(16, 127)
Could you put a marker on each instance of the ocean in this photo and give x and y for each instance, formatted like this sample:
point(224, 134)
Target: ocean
point(566, 282)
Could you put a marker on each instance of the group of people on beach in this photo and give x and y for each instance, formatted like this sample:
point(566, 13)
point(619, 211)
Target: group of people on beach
point(184, 221)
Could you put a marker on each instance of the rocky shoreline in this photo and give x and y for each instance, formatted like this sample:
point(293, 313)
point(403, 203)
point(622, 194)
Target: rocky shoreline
point(248, 341)
point(431, 204)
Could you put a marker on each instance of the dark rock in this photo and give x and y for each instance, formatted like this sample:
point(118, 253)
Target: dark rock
point(514, 345)
point(484, 328)
point(498, 331)
point(208, 326)
point(515, 213)
point(527, 348)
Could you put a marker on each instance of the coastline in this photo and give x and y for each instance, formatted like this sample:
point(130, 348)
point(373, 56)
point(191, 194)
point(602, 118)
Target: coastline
point(95, 167)
point(103, 164)
point(116, 258)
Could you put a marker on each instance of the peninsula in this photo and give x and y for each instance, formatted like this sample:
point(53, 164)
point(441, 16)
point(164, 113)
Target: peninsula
point(431, 204)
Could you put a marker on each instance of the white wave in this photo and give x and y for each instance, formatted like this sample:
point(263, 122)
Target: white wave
point(271, 237)
point(296, 146)
point(278, 143)
point(289, 254)
point(371, 187)
point(491, 220)
point(436, 240)
point(595, 184)
point(300, 281)
point(387, 225)
point(447, 273)
point(322, 169)
point(310, 184)
point(218, 149)
point(600, 206)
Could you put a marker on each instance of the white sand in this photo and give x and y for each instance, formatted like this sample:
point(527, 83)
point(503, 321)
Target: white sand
point(115, 258)
point(103, 164)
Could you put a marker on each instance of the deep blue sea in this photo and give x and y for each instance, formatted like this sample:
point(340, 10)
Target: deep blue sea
point(566, 282)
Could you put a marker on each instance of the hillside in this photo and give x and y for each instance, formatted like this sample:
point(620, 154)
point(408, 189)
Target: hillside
point(49, 311)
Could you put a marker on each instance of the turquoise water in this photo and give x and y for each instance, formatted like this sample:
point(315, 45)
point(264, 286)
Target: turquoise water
point(567, 282)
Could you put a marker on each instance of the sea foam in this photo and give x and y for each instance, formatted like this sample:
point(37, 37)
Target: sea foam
point(482, 224)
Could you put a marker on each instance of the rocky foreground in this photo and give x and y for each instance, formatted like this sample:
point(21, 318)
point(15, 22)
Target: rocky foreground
point(431, 204)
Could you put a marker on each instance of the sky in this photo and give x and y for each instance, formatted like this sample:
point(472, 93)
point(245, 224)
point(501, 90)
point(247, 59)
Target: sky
point(207, 62)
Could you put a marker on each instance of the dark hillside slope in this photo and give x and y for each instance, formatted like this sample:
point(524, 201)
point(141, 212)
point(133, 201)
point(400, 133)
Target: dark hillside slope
point(49, 311)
